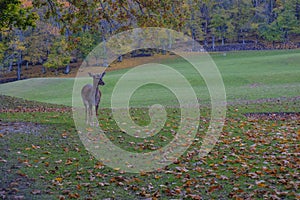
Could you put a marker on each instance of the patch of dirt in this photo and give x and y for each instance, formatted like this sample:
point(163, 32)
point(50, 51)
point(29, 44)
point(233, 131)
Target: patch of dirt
point(126, 63)
point(13, 182)
point(32, 110)
point(255, 85)
point(281, 116)
point(132, 62)
point(20, 127)
point(265, 100)
point(36, 71)
point(13, 105)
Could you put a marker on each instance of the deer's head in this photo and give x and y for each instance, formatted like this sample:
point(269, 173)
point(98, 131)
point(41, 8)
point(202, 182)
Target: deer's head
point(97, 78)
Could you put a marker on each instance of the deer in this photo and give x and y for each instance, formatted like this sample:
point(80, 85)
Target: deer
point(91, 95)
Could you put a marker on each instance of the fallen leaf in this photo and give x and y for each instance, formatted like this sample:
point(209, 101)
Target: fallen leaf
point(214, 187)
point(260, 183)
point(89, 129)
point(58, 161)
point(68, 161)
point(74, 196)
point(58, 179)
point(61, 197)
point(35, 147)
point(142, 173)
point(36, 192)
point(18, 197)
point(195, 197)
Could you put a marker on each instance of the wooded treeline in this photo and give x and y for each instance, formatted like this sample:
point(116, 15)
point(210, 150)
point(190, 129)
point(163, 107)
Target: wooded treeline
point(53, 32)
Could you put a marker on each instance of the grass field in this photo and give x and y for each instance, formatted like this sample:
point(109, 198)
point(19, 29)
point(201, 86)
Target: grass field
point(246, 75)
point(256, 156)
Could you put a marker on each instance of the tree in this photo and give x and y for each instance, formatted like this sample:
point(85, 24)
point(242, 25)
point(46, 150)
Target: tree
point(206, 8)
point(241, 14)
point(38, 42)
point(4, 44)
point(85, 44)
point(121, 15)
point(282, 21)
point(286, 20)
point(119, 45)
point(14, 18)
point(59, 55)
point(259, 18)
point(221, 22)
point(3, 48)
point(13, 15)
point(15, 49)
point(193, 24)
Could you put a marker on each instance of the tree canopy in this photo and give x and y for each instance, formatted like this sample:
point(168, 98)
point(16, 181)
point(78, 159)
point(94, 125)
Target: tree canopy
point(231, 20)
point(81, 25)
point(13, 14)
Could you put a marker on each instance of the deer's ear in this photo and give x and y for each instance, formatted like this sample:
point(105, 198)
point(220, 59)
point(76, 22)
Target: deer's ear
point(91, 75)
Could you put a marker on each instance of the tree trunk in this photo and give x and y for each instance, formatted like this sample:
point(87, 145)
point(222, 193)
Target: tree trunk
point(120, 58)
point(10, 68)
point(164, 52)
point(170, 40)
point(286, 38)
point(255, 3)
point(205, 42)
point(133, 53)
point(19, 72)
point(193, 40)
point(44, 70)
point(19, 66)
point(105, 62)
point(298, 11)
point(213, 42)
point(67, 70)
point(1, 70)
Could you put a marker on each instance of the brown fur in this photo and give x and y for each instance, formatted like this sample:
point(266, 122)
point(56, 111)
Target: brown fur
point(91, 96)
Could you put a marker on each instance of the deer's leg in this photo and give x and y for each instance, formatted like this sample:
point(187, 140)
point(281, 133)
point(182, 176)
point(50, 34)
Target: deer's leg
point(86, 114)
point(96, 108)
point(90, 113)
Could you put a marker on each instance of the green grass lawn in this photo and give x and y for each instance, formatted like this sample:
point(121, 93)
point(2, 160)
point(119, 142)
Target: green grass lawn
point(256, 156)
point(247, 76)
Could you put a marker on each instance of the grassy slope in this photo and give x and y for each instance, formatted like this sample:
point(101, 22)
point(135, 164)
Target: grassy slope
point(50, 90)
point(261, 74)
point(246, 75)
point(255, 158)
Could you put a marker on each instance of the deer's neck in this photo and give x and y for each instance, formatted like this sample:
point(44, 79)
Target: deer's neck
point(95, 88)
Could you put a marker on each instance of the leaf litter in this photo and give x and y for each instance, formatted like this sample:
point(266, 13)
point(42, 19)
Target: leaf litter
point(257, 156)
